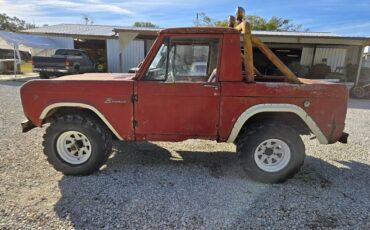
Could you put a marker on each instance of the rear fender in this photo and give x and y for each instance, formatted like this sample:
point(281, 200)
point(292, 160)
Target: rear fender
point(261, 108)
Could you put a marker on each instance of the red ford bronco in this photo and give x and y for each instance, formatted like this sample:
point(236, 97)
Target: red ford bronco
point(194, 84)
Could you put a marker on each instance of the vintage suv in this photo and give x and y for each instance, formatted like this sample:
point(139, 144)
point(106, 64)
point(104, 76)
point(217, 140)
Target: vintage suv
point(191, 85)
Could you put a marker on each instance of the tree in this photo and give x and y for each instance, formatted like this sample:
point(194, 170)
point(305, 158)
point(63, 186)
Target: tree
point(257, 23)
point(145, 24)
point(14, 24)
point(204, 20)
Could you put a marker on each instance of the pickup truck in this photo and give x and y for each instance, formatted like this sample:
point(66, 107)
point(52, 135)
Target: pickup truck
point(63, 62)
point(166, 100)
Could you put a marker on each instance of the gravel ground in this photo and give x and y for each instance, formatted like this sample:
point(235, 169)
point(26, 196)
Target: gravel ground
point(188, 185)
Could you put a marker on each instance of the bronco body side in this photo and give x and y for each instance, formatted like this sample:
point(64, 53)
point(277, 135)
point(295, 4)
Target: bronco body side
point(133, 108)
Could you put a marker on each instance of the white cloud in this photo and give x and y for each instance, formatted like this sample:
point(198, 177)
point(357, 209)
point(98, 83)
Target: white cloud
point(70, 11)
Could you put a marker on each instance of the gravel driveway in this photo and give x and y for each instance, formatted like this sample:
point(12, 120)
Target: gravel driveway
point(188, 185)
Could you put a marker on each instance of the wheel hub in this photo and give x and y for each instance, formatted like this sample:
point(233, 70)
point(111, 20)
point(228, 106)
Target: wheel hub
point(73, 147)
point(272, 155)
point(269, 151)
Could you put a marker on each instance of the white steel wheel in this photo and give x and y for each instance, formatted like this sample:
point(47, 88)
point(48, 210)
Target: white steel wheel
point(73, 147)
point(272, 155)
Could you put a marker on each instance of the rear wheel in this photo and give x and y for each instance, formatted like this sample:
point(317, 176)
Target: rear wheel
point(271, 153)
point(368, 94)
point(76, 144)
point(358, 92)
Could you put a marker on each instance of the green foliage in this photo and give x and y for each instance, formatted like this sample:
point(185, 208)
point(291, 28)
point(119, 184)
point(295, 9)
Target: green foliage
point(272, 24)
point(145, 24)
point(257, 23)
point(14, 24)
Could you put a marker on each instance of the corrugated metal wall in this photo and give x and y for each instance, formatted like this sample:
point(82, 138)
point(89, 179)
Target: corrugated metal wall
point(113, 55)
point(353, 53)
point(336, 57)
point(366, 61)
point(306, 57)
point(133, 54)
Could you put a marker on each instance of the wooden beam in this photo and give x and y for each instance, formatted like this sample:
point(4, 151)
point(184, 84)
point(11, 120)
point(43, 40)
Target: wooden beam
point(245, 29)
point(275, 60)
point(248, 52)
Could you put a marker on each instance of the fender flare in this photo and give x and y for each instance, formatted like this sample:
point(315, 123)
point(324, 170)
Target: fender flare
point(250, 112)
point(50, 107)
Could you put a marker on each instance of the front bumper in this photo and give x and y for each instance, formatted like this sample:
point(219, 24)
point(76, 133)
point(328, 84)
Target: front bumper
point(27, 126)
point(344, 138)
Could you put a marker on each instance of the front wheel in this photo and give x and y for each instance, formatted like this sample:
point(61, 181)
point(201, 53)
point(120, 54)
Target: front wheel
point(271, 153)
point(77, 144)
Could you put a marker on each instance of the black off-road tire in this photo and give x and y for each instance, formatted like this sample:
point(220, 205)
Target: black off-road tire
point(96, 132)
point(251, 138)
point(44, 75)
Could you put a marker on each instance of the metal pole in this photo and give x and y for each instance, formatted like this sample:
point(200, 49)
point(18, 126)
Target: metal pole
point(15, 62)
point(359, 66)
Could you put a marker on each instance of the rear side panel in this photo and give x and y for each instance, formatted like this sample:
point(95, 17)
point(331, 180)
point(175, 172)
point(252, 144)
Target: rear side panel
point(328, 103)
point(111, 98)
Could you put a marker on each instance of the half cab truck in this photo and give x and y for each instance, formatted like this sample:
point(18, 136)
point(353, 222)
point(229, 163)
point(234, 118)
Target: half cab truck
point(63, 62)
point(193, 84)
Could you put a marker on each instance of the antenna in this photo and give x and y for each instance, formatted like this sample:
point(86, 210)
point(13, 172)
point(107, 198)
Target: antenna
point(197, 24)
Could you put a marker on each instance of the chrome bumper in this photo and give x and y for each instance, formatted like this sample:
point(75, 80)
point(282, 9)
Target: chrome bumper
point(51, 70)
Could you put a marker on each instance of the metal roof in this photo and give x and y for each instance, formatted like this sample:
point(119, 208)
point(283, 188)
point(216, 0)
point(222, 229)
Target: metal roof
point(110, 31)
point(295, 34)
point(84, 30)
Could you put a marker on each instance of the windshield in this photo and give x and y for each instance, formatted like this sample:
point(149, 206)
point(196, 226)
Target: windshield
point(158, 68)
point(161, 55)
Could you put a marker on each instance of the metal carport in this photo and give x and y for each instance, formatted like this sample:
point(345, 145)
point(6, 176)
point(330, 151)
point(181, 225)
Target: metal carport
point(16, 41)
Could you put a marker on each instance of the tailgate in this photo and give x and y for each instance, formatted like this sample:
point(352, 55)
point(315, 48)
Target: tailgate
point(48, 62)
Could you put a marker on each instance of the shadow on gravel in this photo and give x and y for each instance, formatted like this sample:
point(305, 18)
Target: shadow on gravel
point(16, 82)
point(359, 104)
point(11, 83)
point(145, 186)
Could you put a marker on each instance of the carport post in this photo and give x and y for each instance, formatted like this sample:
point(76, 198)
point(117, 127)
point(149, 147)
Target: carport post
point(15, 62)
point(362, 50)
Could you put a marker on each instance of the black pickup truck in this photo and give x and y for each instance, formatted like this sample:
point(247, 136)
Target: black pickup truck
point(63, 62)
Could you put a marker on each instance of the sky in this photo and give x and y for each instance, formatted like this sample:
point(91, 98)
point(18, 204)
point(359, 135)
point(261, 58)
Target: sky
point(345, 17)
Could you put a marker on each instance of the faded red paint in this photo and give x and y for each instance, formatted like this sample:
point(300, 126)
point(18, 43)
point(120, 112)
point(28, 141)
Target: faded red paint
point(91, 89)
point(179, 111)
